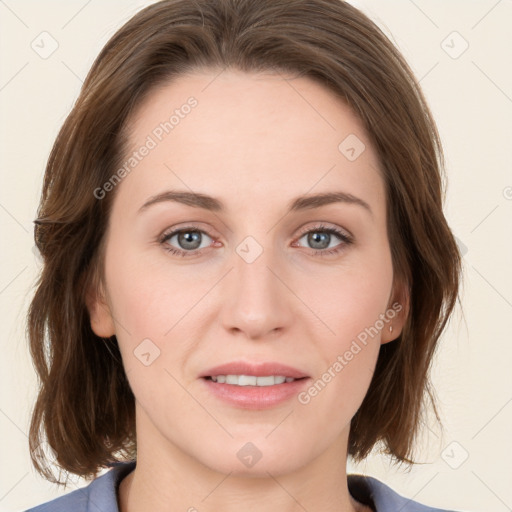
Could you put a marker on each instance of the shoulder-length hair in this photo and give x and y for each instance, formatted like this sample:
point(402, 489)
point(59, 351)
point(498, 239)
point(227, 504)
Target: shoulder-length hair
point(85, 409)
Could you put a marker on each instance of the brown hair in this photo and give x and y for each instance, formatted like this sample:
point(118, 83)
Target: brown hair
point(85, 406)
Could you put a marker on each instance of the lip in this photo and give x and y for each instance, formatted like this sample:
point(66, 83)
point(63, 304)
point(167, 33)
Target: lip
point(255, 397)
point(256, 369)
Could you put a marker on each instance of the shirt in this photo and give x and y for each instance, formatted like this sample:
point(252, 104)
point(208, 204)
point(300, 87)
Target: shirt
point(100, 495)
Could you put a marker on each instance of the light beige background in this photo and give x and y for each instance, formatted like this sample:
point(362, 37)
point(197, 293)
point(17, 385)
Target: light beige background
point(470, 466)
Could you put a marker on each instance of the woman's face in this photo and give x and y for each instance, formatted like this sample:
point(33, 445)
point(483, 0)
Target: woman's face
point(247, 273)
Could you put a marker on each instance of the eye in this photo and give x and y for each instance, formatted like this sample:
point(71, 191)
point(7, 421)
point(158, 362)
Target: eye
point(320, 239)
point(188, 239)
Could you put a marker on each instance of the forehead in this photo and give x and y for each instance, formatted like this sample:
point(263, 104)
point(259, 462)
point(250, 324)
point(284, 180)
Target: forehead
point(239, 135)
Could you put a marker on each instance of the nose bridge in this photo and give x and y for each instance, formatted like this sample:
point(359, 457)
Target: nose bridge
point(258, 303)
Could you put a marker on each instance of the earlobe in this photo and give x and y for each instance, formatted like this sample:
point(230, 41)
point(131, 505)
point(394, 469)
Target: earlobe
point(397, 314)
point(102, 322)
point(389, 333)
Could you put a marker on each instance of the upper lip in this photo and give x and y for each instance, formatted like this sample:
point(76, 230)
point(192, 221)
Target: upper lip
point(256, 369)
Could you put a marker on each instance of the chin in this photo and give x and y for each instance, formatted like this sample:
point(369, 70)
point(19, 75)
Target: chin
point(255, 458)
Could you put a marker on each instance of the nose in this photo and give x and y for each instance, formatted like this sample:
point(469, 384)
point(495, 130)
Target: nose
point(257, 299)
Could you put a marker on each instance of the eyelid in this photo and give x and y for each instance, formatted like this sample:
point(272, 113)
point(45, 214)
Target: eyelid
point(168, 232)
point(321, 226)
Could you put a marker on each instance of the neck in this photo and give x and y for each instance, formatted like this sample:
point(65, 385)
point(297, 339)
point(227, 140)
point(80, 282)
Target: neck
point(143, 490)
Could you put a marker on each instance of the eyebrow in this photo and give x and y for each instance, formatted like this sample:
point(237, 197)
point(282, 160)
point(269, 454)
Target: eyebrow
point(306, 202)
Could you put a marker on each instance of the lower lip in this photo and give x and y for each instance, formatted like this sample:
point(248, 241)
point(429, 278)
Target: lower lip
point(256, 397)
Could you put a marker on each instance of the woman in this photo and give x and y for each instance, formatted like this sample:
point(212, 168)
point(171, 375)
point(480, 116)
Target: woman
point(246, 263)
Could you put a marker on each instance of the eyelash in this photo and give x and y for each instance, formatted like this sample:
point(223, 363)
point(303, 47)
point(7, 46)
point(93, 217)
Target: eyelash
point(345, 238)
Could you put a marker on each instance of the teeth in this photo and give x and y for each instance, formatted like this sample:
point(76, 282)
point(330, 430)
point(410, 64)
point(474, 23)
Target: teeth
point(251, 380)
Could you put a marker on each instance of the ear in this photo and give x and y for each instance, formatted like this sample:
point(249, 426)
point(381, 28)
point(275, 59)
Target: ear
point(102, 321)
point(397, 312)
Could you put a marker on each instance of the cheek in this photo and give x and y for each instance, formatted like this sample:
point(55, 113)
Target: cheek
point(352, 306)
point(150, 295)
point(156, 306)
point(352, 300)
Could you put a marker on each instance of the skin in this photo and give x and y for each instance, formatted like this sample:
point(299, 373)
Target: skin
point(255, 141)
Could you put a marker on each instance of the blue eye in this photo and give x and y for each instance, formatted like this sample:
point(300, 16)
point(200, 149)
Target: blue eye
point(187, 238)
point(320, 238)
point(190, 241)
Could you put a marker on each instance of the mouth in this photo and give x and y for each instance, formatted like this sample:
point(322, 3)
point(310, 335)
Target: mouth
point(254, 386)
